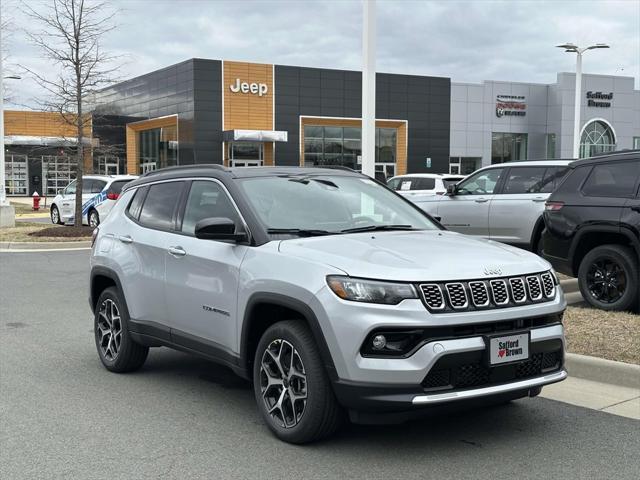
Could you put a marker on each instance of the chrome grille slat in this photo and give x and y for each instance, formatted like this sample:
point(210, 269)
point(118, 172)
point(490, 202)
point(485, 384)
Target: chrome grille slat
point(457, 295)
point(479, 293)
point(499, 292)
point(534, 288)
point(432, 295)
point(548, 285)
point(518, 291)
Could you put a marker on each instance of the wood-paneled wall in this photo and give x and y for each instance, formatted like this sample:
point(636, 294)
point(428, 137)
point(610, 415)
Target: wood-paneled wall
point(40, 124)
point(133, 152)
point(247, 111)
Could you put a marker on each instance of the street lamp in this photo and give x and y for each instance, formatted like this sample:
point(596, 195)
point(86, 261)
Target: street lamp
point(571, 48)
point(3, 195)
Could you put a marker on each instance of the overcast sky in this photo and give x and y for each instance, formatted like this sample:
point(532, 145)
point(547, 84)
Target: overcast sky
point(468, 41)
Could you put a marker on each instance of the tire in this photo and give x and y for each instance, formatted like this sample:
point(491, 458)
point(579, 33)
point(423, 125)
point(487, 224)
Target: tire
point(125, 355)
point(55, 215)
point(94, 218)
point(316, 416)
point(608, 278)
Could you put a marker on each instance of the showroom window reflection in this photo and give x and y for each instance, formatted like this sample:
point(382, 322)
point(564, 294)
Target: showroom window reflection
point(158, 148)
point(508, 147)
point(327, 145)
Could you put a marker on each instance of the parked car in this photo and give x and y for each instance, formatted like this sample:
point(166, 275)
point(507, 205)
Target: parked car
point(328, 290)
point(99, 195)
point(593, 229)
point(502, 202)
point(418, 184)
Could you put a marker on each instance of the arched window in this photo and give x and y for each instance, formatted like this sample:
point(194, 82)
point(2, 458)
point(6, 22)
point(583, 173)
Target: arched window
point(597, 137)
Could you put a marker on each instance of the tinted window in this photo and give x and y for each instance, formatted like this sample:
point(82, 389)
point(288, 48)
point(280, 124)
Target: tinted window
point(116, 187)
point(524, 180)
point(206, 200)
point(97, 186)
point(612, 180)
point(136, 203)
point(87, 185)
point(414, 183)
point(157, 211)
point(552, 178)
point(481, 183)
point(70, 189)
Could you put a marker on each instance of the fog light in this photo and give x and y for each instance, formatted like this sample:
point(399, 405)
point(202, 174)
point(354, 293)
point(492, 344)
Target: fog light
point(379, 342)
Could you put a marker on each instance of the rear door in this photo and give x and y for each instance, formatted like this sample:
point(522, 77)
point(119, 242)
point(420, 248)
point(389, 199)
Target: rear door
point(202, 275)
point(516, 208)
point(468, 211)
point(631, 214)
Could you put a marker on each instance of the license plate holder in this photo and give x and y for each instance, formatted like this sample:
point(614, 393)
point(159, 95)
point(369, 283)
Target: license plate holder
point(506, 349)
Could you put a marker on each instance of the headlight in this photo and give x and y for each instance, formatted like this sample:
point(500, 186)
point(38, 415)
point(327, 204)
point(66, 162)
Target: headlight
point(370, 291)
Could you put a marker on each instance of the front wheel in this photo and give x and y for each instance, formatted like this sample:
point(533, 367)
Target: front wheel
point(94, 219)
point(608, 278)
point(291, 386)
point(55, 216)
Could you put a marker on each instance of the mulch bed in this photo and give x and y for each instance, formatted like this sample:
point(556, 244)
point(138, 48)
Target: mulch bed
point(63, 232)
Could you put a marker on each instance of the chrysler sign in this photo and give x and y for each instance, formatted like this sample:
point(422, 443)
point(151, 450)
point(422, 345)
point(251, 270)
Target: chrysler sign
point(510, 106)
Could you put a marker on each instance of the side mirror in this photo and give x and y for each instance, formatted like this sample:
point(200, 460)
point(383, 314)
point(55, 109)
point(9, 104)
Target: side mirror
point(219, 228)
point(452, 190)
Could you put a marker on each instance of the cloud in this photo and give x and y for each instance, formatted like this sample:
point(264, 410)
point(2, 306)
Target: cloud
point(468, 41)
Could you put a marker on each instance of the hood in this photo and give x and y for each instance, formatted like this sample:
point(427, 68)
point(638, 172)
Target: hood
point(415, 256)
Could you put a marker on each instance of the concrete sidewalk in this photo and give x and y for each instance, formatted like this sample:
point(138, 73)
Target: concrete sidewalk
point(614, 399)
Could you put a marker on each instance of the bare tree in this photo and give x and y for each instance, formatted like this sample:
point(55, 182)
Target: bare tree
point(69, 36)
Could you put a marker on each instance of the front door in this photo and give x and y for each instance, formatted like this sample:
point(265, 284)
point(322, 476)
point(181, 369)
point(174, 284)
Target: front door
point(468, 211)
point(202, 276)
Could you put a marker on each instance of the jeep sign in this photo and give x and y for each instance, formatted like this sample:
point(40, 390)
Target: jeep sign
point(254, 88)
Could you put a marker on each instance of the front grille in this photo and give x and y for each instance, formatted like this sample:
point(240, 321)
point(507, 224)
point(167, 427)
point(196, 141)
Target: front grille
point(432, 294)
point(457, 295)
point(460, 371)
point(487, 294)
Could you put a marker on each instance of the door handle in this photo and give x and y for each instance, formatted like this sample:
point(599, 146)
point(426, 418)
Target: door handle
point(177, 251)
point(481, 200)
point(538, 200)
point(125, 239)
point(636, 209)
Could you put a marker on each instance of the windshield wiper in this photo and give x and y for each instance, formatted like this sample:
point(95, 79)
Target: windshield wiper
point(373, 228)
point(302, 232)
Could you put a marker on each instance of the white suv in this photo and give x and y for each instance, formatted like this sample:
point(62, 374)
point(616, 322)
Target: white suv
point(419, 184)
point(99, 195)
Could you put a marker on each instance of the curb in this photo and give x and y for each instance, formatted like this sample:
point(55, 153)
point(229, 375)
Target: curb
point(603, 371)
point(45, 245)
point(569, 285)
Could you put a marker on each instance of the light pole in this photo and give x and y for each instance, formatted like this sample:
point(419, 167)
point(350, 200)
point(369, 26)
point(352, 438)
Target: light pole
point(571, 48)
point(3, 195)
point(369, 88)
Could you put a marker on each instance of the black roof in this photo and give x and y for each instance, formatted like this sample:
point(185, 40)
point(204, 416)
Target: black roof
point(215, 170)
point(619, 155)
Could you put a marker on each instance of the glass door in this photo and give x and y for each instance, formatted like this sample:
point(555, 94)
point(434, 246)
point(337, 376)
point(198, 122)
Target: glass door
point(246, 154)
point(16, 174)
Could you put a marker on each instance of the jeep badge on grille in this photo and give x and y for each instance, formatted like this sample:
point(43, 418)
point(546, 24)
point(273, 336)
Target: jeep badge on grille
point(492, 270)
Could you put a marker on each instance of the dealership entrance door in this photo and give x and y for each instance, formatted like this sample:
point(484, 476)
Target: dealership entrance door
point(246, 154)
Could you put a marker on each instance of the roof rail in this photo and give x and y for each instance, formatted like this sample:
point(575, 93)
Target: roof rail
point(334, 167)
point(215, 166)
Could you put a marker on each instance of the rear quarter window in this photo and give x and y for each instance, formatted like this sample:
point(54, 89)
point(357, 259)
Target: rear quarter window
point(613, 179)
point(116, 187)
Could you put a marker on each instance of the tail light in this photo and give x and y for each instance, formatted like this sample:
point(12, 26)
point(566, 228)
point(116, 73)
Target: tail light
point(553, 206)
point(112, 196)
point(94, 235)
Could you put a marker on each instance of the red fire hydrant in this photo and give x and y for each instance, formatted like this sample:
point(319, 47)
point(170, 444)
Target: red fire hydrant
point(36, 201)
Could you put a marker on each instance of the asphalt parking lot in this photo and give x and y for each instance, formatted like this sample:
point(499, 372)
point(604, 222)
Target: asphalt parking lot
point(64, 416)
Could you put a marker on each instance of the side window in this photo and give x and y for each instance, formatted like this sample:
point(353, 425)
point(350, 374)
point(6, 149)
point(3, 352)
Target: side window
point(616, 179)
point(524, 180)
point(70, 189)
point(206, 199)
point(423, 184)
point(136, 203)
point(158, 207)
point(116, 187)
point(98, 186)
point(481, 183)
point(394, 184)
point(552, 178)
point(87, 185)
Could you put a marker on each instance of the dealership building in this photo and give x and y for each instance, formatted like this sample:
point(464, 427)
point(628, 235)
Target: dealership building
point(248, 114)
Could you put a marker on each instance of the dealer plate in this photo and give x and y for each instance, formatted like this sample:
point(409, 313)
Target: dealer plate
point(507, 349)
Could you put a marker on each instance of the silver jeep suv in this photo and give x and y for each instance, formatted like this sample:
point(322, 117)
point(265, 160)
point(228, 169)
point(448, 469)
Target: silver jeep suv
point(332, 293)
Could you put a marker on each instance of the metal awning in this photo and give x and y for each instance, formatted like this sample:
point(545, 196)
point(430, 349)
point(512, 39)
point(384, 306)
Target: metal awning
point(31, 140)
point(254, 136)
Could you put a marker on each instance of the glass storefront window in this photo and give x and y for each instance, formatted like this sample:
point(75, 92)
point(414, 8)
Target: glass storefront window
point(508, 147)
point(158, 148)
point(551, 146)
point(636, 143)
point(326, 145)
point(597, 137)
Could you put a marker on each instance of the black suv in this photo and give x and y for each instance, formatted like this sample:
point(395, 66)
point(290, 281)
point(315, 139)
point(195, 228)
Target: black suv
point(593, 229)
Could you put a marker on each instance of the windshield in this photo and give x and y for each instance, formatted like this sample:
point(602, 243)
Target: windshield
point(329, 204)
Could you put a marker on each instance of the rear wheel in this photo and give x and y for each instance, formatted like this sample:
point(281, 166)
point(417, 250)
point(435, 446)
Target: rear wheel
point(608, 278)
point(55, 215)
point(117, 350)
point(94, 219)
point(291, 386)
